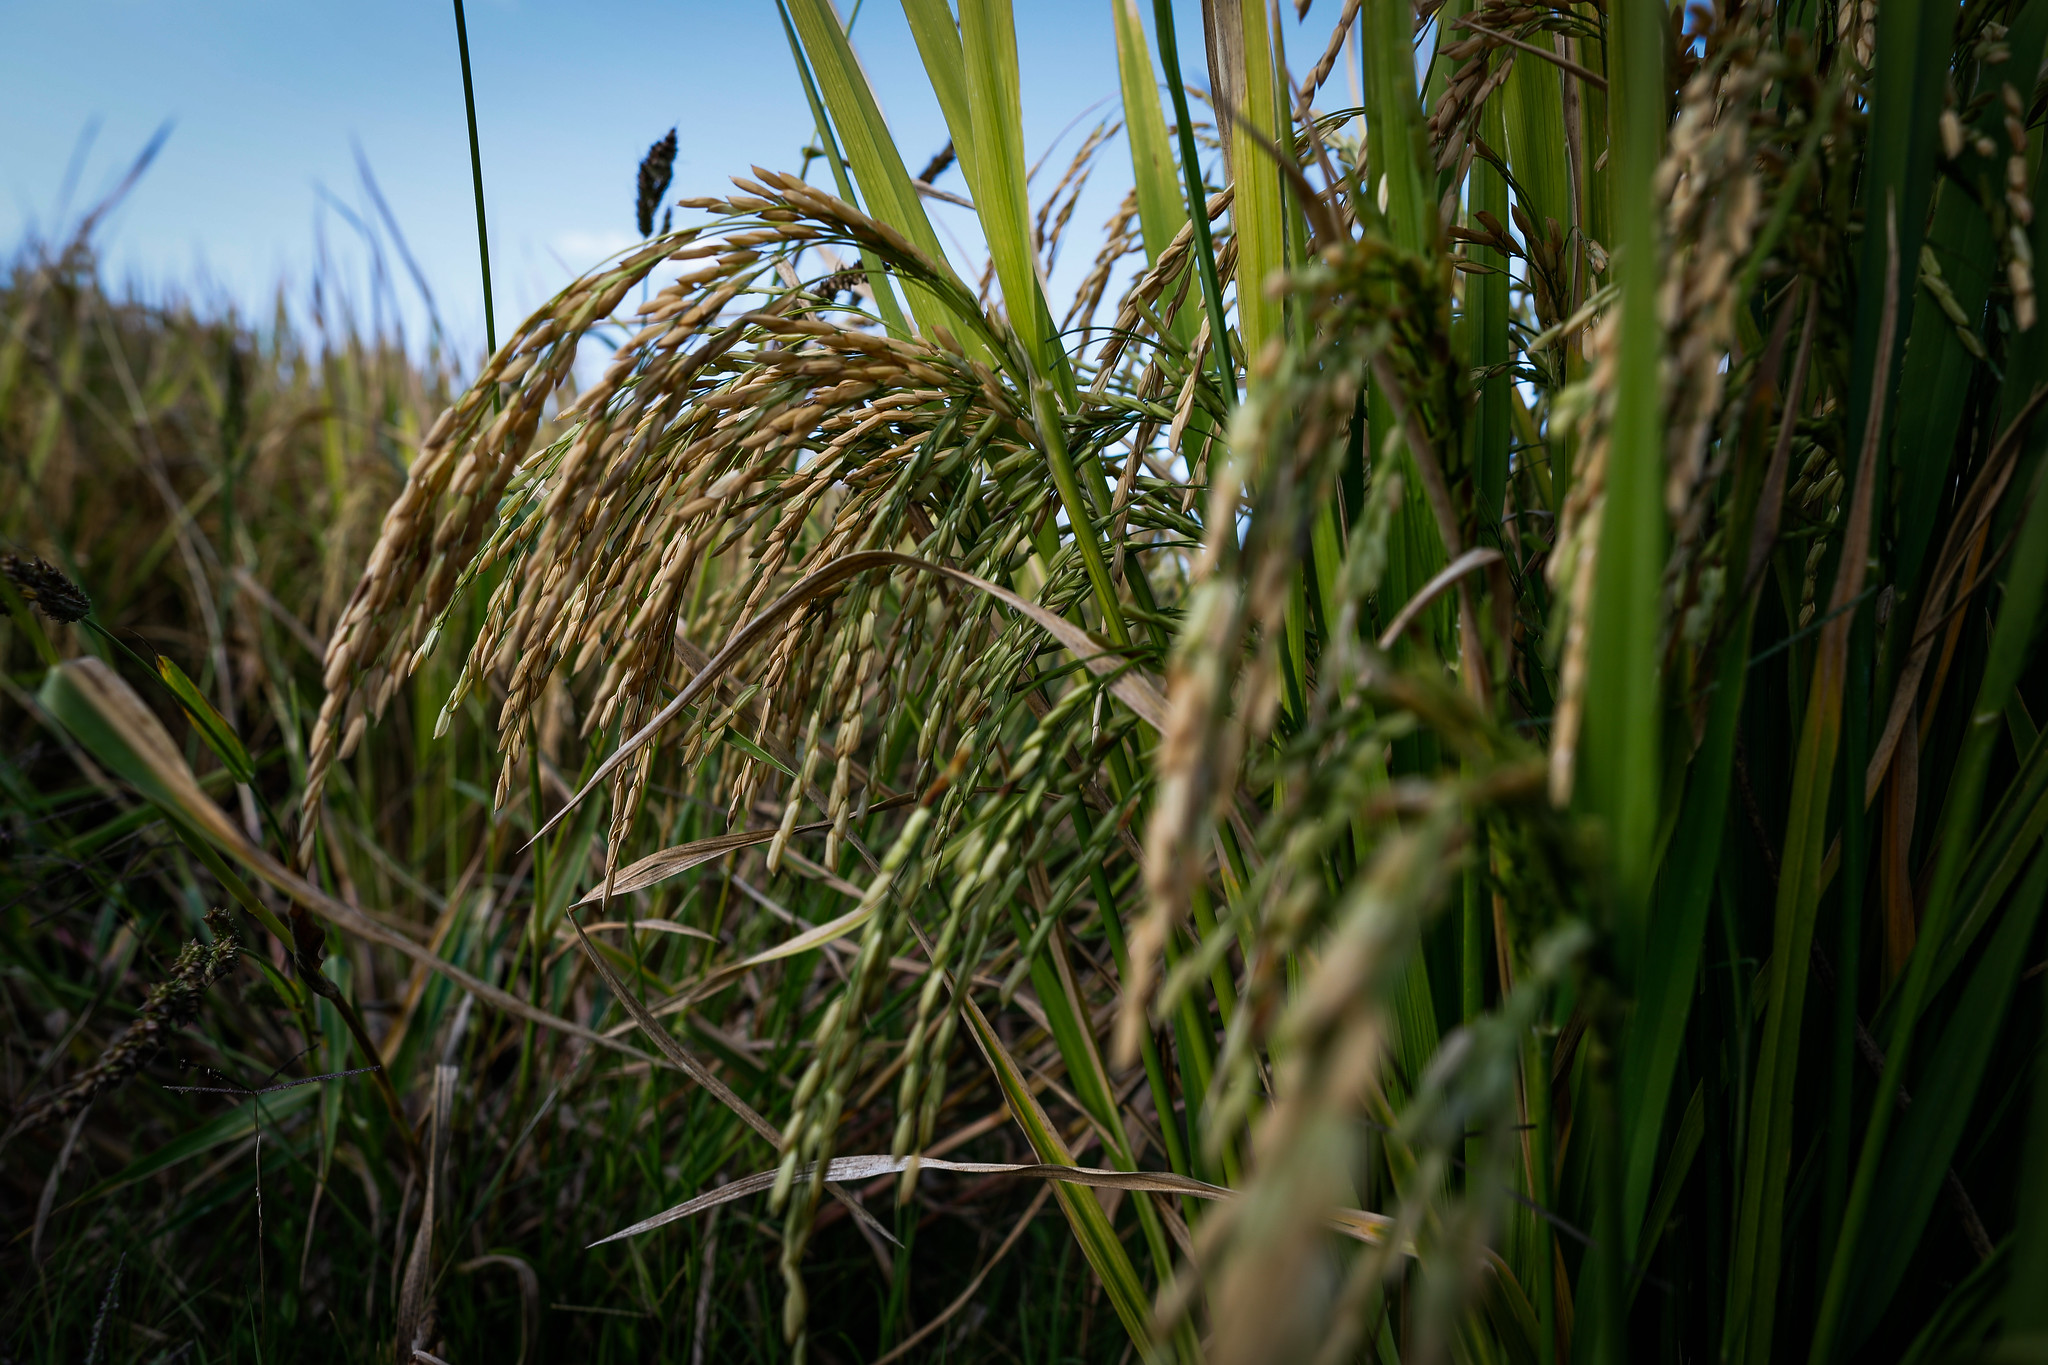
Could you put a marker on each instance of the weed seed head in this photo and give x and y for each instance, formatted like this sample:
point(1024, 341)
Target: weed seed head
point(656, 169)
point(171, 1005)
point(47, 586)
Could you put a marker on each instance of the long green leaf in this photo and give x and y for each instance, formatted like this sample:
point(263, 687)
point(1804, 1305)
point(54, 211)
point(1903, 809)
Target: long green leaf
point(1098, 1240)
point(988, 42)
point(2011, 641)
point(1161, 210)
point(1534, 119)
point(1397, 160)
point(1619, 774)
point(92, 702)
point(1671, 956)
point(1241, 81)
point(872, 152)
point(212, 726)
point(2000, 854)
point(937, 35)
point(1767, 1154)
point(1198, 216)
point(1918, 1161)
point(886, 302)
point(973, 70)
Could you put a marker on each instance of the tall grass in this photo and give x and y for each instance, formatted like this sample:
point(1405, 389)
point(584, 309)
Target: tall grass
point(1455, 777)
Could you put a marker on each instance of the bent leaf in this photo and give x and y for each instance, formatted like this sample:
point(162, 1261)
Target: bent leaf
point(670, 862)
point(212, 726)
point(1372, 1228)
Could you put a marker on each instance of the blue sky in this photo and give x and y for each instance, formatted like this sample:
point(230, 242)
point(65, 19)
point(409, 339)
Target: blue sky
point(269, 99)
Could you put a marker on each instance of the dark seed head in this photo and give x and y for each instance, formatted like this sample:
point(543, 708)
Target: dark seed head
point(841, 282)
point(45, 585)
point(656, 169)
point(170, 1006)
point(936, 167)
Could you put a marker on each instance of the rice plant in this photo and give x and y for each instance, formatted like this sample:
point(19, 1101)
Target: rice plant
point(1388, 742)
point(218, 1173)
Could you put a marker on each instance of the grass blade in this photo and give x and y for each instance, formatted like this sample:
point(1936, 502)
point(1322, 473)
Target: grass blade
point(1242, 82)
point(988, 45)
point(1767, 1155)
point(1620, 753)
point(1399, 161)
point(476, 174)
point(1919, 1159)
point(872, 152)
point(2010, 642)
point(1161, 210)
point(886, 302)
